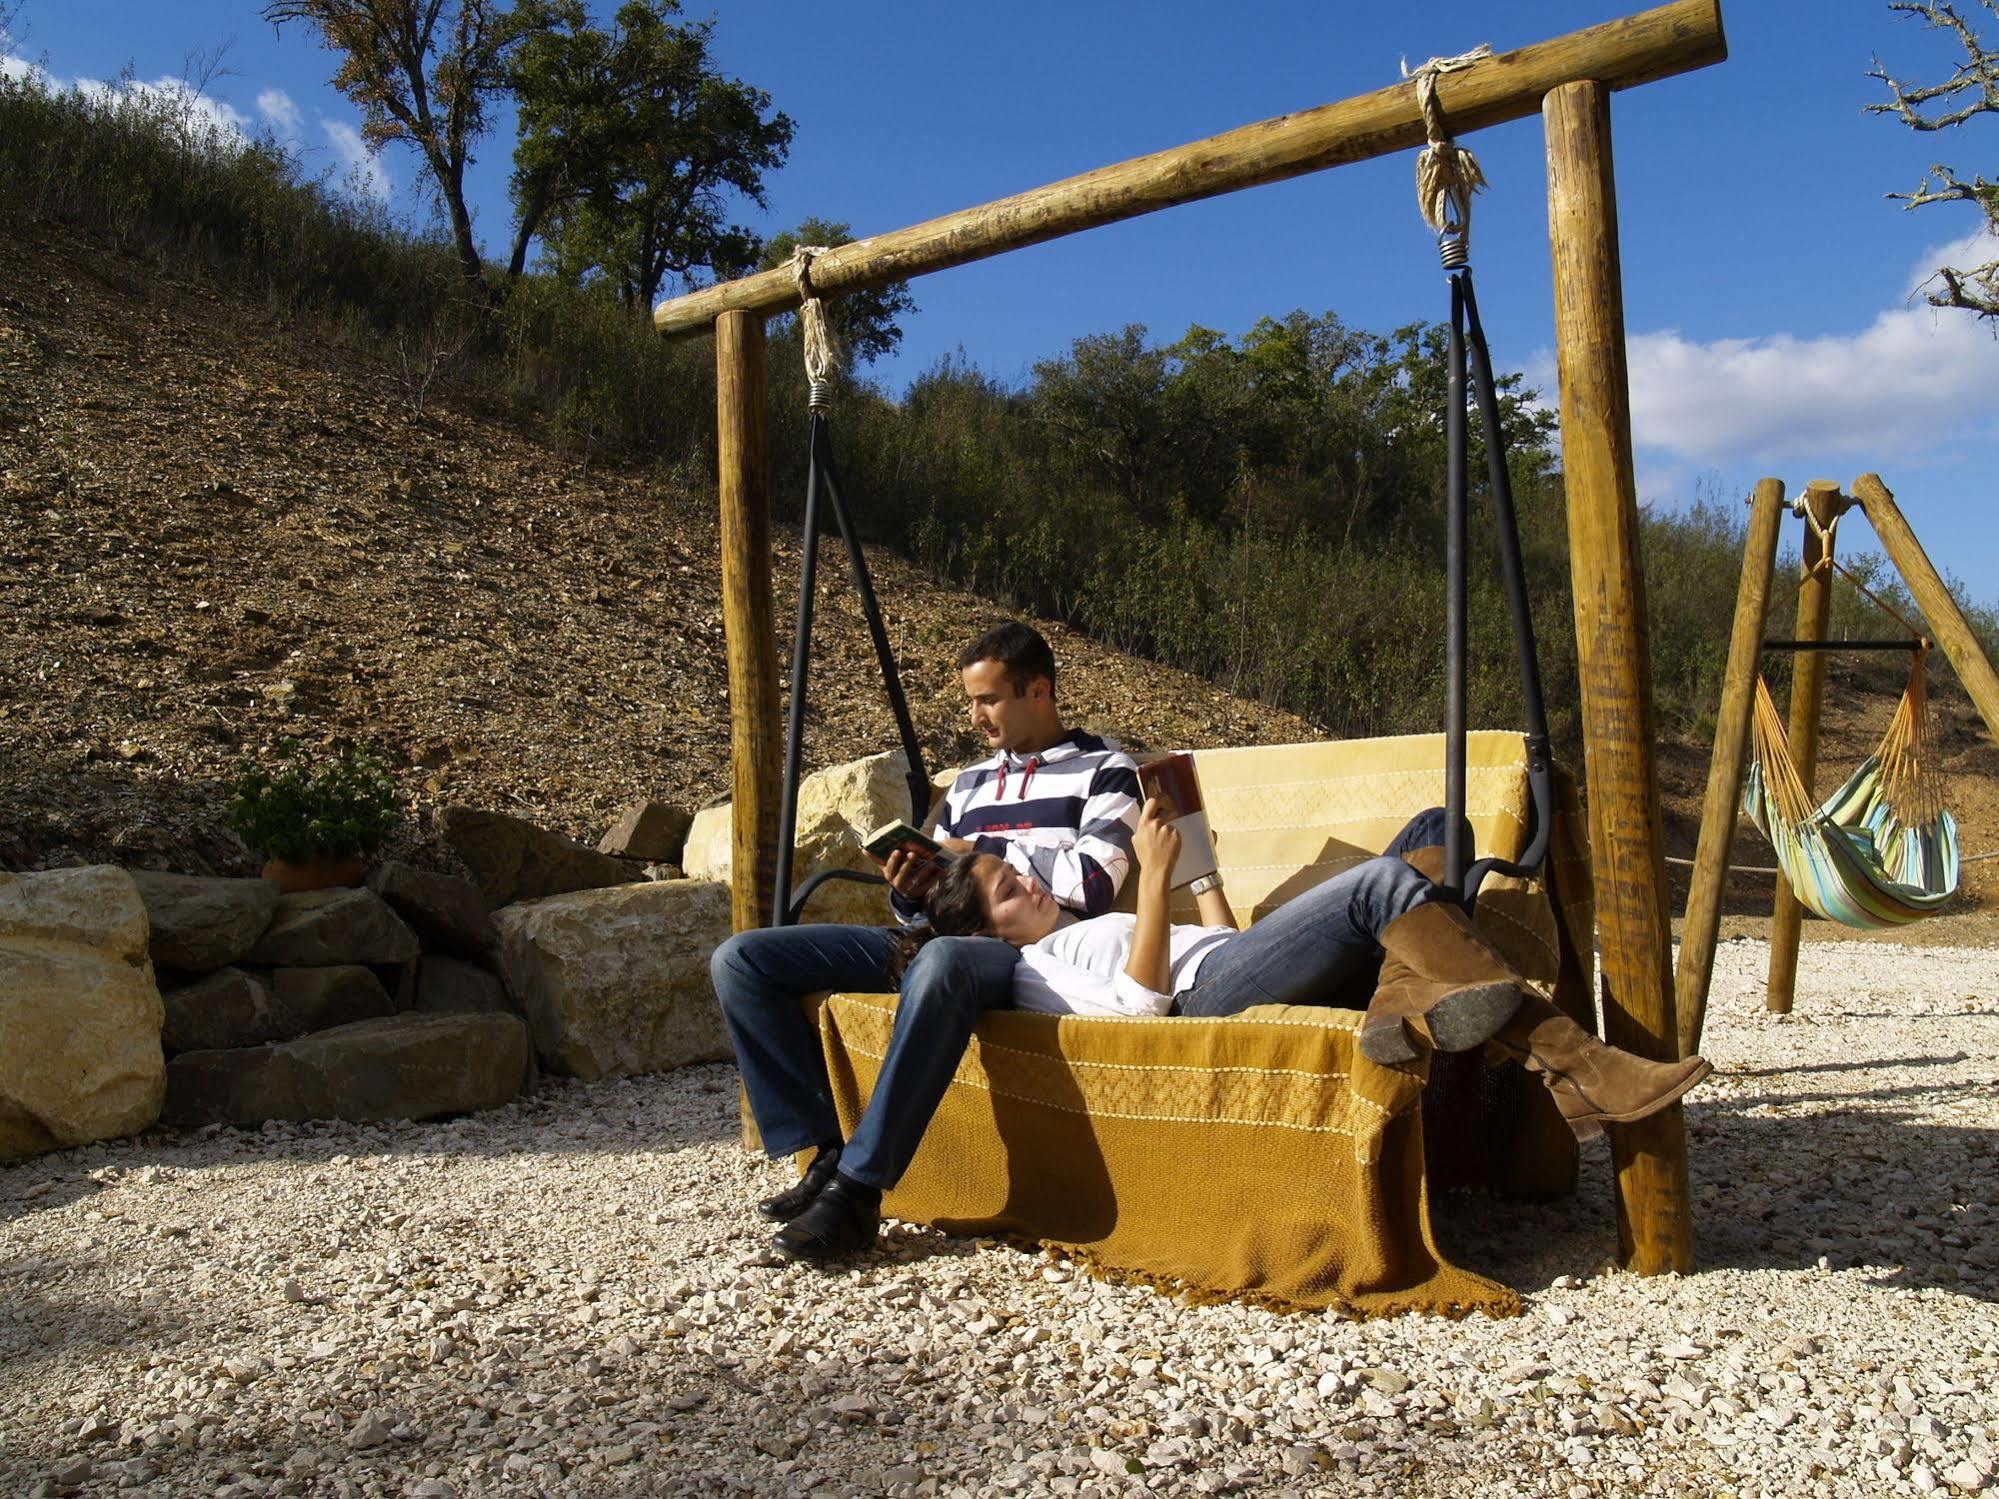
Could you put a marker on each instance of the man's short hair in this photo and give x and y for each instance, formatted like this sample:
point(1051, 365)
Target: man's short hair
point(1020, 651)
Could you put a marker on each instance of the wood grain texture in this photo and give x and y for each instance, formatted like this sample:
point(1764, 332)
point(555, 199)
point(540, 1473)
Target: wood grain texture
point(1824, 502)
point(748, 615)
point(1946, 621)
point(1655, 1222)
point(1721, 808)
point(1618, 54)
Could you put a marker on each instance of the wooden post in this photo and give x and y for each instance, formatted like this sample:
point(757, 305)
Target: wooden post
point(1724, 773)
point(1673, 38)
point(748, 617)
point(1940, 611)
point(749, 631)
point(1823, 503)
point(1655, 1218)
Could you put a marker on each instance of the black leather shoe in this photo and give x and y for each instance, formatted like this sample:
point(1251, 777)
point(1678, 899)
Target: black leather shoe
point(842, 1220)
point(788, 1204)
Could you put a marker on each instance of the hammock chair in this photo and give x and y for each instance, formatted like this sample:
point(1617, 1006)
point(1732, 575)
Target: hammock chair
point(1879, 852)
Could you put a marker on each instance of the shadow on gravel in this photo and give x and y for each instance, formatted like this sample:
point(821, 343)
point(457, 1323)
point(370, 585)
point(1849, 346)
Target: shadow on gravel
point(1907, 1198)
point(1872, 1188)
point(617, 1117)
point(50, 1328)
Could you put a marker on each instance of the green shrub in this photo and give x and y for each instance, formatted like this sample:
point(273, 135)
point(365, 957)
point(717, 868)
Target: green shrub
point(300, 811)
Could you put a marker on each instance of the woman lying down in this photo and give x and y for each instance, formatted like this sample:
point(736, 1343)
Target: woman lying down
point(1440, 983)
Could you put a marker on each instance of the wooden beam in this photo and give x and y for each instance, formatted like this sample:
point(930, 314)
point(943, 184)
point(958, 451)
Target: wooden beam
point(1823, 502)
point(1655, 1218)
point(1940, 611)
point(748, 616)
point(1722, 806)
point(1675, 38)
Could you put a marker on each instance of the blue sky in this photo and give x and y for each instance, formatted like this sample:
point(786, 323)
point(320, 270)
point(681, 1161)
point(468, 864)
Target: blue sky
point(1769, 285)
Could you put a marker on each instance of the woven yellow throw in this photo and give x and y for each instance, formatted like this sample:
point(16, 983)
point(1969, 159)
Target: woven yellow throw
point(1260, 1157)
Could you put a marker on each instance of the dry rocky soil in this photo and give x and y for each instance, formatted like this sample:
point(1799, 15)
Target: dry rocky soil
point(217, 532)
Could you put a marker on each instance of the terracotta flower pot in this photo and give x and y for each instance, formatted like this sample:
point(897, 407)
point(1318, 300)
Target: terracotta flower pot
point(316, 873)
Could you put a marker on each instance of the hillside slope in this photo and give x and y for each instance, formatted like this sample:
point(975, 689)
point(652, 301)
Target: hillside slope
point(217, 533)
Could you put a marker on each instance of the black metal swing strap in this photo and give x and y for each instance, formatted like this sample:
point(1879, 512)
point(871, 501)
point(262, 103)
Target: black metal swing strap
point(823, 481)
point(1446, 177)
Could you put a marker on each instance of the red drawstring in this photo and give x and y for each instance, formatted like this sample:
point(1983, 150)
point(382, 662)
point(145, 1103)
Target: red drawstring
point(999, 793)
point(1026, 778)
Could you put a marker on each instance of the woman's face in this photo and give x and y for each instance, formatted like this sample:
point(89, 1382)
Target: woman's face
point(1017, 910)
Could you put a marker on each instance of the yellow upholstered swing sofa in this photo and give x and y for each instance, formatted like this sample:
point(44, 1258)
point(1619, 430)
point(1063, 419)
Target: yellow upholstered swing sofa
point(1261, 1156)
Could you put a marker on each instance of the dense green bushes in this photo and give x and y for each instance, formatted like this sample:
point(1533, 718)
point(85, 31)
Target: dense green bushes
point(1265, 510)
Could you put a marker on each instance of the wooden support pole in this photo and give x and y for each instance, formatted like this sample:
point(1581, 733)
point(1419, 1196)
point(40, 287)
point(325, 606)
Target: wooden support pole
point(1724, 772)
point(1823, 503)
point(1940, 612)
point(1675, 38)
point(1655, 1218)
point(748, 615)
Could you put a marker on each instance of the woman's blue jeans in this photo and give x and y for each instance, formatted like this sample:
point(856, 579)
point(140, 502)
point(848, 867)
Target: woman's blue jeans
point(762, 978)
point(1324, 946)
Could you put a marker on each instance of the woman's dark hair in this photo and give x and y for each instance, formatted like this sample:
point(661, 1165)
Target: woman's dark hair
point(1019, 649)
point(953, 906)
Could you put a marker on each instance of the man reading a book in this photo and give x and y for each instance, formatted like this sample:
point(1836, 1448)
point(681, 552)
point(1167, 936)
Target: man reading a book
point(1060, 807)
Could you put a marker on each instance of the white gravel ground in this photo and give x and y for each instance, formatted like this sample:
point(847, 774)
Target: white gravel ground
point(568, 1297)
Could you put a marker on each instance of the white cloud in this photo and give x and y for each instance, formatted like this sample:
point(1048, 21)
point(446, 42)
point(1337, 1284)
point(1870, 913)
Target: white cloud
point(1914, 375)
point(279, 112)
point(361, 164)
point(1889, 390)
point(17, 68)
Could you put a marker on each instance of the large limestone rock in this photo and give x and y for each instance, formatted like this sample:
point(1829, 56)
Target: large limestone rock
point(199, 923)
point(616, 981)
point(653, 832)
point(514, 860)
point(448, 915)
point(832, 803)
point(80, 1013)
point(402, 1067)
point(451, 986)
point(229, 1007)
point(317, 927)
point(232, 1008)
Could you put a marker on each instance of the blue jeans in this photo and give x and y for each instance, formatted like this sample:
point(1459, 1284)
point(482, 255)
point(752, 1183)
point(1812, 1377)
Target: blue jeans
point(1323, 947)
point(762, 977)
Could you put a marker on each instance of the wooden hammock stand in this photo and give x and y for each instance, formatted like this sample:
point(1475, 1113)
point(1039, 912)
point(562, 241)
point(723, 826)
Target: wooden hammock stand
point(1569, 80)
point(1823, 503)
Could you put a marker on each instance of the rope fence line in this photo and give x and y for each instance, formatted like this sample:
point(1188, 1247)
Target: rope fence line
point(1768, 869)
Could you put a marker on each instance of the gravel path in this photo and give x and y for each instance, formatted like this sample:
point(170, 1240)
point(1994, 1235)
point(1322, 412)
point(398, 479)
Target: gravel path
point(568, 1297)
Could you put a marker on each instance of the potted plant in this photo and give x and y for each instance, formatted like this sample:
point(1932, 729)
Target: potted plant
point(316, 825)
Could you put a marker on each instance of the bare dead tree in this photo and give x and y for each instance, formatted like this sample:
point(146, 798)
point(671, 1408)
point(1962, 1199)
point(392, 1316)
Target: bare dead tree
point(1971, 90)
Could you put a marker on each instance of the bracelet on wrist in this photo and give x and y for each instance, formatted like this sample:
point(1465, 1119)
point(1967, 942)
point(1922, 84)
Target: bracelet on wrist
point(1205, 883)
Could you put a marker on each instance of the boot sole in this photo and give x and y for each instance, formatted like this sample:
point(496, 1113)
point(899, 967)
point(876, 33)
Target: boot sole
point(1462, 1019)
point(1695, 1074)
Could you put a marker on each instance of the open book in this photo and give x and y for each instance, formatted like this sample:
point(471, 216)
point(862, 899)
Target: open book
point(891, 836)
point(1172, 777)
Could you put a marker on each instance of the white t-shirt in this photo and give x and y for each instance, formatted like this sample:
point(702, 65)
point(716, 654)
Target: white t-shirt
point(1078, 969)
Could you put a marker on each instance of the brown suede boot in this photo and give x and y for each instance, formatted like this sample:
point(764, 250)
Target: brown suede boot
point(1593, 1083)
point(1436, 968)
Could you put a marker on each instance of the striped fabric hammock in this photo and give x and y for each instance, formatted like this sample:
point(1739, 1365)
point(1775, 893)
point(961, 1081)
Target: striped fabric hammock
point(1879, 852)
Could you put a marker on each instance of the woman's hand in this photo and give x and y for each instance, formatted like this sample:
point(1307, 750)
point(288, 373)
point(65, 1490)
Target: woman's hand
point(1156, 844)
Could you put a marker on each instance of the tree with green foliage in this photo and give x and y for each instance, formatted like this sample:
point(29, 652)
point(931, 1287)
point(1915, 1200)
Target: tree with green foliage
point(1971, 90)
point(631, 145)
point(864, 323)
point(423, 72)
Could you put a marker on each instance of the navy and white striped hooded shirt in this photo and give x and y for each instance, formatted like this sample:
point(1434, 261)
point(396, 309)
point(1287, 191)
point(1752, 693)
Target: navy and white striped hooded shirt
point(1063, 817)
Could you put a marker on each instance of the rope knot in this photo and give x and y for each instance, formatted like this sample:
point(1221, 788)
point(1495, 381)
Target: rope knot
point(1446, 173)
point(821, 349)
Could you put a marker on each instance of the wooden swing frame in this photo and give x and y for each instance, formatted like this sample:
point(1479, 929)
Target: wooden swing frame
point(1568, 80)
point(1720, 809)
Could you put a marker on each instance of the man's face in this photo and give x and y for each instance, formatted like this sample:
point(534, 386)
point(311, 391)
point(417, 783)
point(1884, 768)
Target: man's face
point(1007, 716)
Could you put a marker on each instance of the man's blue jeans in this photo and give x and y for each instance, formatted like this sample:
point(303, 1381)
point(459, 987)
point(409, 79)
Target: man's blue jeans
point(762, 978)
point(1323, 947)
